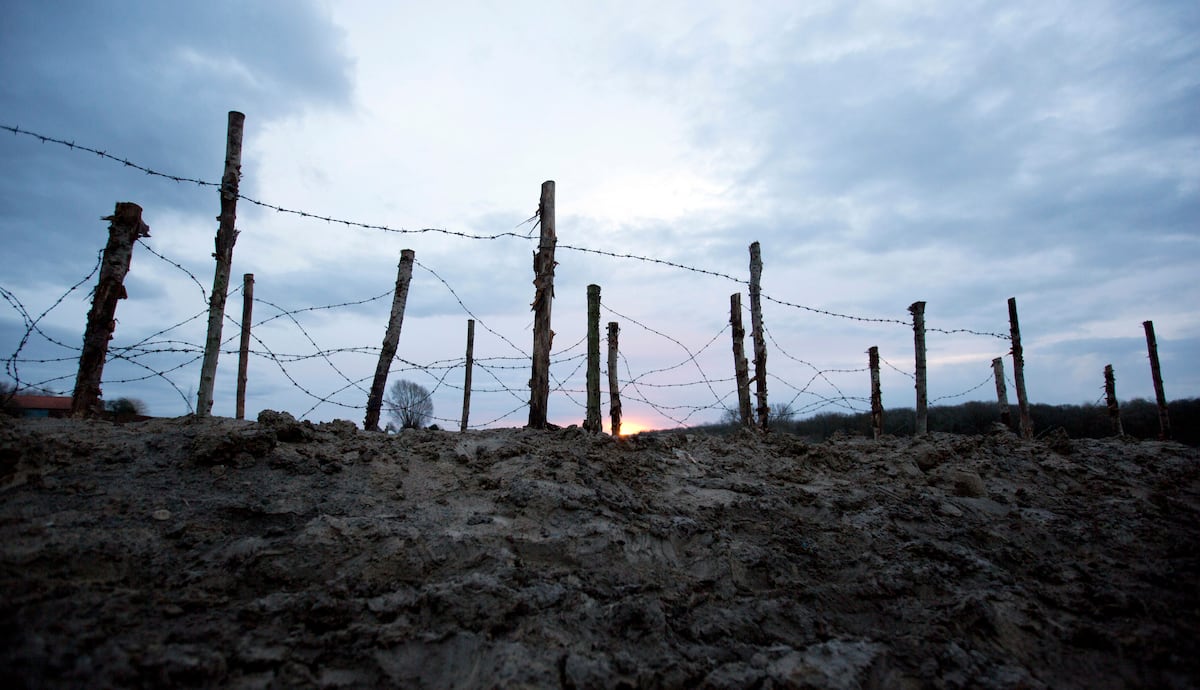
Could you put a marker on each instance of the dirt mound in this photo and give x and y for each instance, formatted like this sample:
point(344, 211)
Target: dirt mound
point(286, 554)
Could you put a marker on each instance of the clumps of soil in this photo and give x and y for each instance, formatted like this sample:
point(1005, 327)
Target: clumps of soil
point(280, 553)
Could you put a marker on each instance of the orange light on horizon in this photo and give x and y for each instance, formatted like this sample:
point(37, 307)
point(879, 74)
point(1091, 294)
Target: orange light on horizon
point(630, 427)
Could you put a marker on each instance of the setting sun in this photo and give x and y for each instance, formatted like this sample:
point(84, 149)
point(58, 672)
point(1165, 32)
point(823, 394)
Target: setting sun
point(630, 427)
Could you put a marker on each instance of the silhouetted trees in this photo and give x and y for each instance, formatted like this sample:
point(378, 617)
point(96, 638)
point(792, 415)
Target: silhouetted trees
point(1139, 418)
point(409, 404)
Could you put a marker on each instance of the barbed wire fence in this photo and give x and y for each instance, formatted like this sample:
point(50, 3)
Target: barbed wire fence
point(171, 353)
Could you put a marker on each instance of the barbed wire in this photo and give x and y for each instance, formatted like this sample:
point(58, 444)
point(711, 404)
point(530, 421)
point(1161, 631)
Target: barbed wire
point(16, 130)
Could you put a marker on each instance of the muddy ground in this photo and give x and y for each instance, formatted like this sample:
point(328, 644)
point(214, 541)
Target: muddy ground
point(280, 554)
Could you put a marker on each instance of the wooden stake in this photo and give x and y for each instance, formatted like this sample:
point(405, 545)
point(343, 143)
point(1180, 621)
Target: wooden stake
point(1110, 394)
point(614, 388)
point(1018, 356)
point(125, 227)
point(1001, 392)
point(244, 350)
point(592, 423)
point(391, 340)
point(760, 337)
point(741, 367)
point(543, 297)
point(1164, 420)
point(226, 236)
point(467, 376)
point(917, 309)
point(876, 395)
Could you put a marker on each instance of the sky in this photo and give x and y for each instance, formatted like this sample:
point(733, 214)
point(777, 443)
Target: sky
point(881, 152)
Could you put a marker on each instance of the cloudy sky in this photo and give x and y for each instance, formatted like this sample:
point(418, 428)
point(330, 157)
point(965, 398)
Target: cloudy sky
point(958, 153)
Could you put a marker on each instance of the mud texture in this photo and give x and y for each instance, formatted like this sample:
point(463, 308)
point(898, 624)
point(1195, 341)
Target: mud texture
point(279, 554)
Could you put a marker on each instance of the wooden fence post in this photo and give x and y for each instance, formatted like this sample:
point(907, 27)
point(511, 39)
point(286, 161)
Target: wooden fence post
point(244, 350)
point(741, 368)
point(1018, 355)
point(1110, 394)
point(1164, 420)
point(592, 422)
point(760, 337)
point(467, 375)
point(543, 297)
point(1001, 392)
point(917, 309)
point(876, 394)
point(614, 388)
point(125, 227)
point(226, 236)
point(391, 339)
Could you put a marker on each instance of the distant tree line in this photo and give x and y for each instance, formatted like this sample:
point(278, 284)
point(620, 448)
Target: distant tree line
point(1139, 419)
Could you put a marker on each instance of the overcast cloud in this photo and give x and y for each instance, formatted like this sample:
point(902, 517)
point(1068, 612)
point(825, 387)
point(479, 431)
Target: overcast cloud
point(959, 153)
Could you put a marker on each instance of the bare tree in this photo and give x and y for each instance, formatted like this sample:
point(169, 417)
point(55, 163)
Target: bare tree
point(125, 407)
point(409, 404)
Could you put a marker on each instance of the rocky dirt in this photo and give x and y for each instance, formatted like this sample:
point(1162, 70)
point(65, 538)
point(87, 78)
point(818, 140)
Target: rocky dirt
point(280, 554)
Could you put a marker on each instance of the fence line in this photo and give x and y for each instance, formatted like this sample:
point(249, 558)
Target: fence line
point(153, 346)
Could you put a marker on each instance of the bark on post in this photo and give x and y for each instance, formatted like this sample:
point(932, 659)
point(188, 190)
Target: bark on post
point(543, 298)
point(760, 337)
point(592, 423)
point(614, 388)
point(125, 227)
point(917, 309)
point(1001, 392)
point(467, 376)
point(741, 368)
point(1164, 420)
point(244, 350)
point(391, 340)
point(876, 395)
point(1110, 394)
point(1019, 370)
point(226, 236)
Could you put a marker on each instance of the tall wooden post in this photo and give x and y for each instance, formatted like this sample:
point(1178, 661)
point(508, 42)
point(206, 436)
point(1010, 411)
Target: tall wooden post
point(543, 298)
point(1001, 392)
point(741, 368)
point(1018, 356)
point(125, 227)
point(592, 422)
point(1110, 395)
point(614, 388)
point(467, 376)
point(917, 309)
point(244, 350)
point(876, 394)
point(760, 337)
point(391, 340)
point(1164, 420)
point(226, 236)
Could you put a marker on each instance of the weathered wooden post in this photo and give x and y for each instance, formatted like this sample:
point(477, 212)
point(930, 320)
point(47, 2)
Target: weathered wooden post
point(1110, 394)
point(917, 309)
point(614, 388)
point(1001, 392)
point(592, 423)
point(226, 236)
point(741, 368)
point(543, 298)
point(1164, 420)
point(1018, 356)
point(760, 337)
point(467, 375)
point(876, 394)
point(125, 227)
point(244, 350)
point(391, 340)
